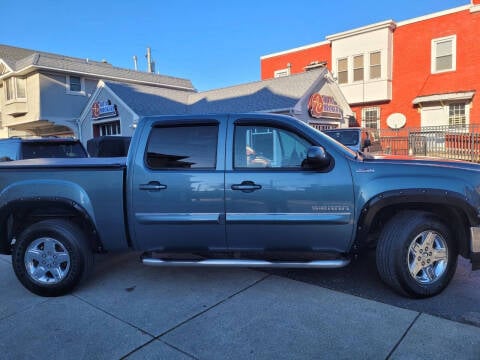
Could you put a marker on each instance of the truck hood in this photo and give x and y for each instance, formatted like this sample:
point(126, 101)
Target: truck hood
point(421, 160)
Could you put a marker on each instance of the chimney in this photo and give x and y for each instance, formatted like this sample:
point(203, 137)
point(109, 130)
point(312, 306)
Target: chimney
point(149, 60)
point(135, 63)
point(474, 6)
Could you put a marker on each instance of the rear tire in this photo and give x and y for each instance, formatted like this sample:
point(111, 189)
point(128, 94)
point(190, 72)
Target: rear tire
point(416, 254)
point(51, 257)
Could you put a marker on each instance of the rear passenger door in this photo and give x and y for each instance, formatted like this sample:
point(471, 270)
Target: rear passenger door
point(177, 189)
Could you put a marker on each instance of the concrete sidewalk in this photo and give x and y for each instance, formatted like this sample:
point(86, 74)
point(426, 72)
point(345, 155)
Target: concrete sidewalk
point(127, 310)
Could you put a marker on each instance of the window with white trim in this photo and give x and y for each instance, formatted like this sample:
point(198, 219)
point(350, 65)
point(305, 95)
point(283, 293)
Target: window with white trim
point(75, 85)
point(3, 68)
point(15, 89)
point(107, 128)
point(358, 68)
point(20, 90)
point(444, 53)
point(10, 89)
point(281, 72)
point(371, 117)
point(342, 71)
point(375, 65)
point(457, 116)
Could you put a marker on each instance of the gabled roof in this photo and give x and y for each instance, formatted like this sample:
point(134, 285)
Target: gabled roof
point(269, 95)
point(11, 54)
point(273, 94)
point(24, 60)
point(149, 100)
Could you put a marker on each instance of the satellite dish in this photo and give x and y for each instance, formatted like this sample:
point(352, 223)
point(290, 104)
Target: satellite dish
point(396, 121)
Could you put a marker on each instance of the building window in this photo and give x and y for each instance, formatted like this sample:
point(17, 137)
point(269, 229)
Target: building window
point(75, 85)
point(444, 54)
point(457, 116)
point(342, 69)
point(375, 65)
point(107, 128)
point(20, 88)
point(358, 68)
point(10, 89)
point(15, 89)
point(322, 127)
point(281, 72)
point(371, 118)
point(3, 68)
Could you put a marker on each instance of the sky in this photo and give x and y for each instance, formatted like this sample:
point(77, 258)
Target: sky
point(214, 44)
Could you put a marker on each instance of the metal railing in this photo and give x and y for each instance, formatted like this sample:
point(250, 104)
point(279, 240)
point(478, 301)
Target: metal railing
point(451, 142)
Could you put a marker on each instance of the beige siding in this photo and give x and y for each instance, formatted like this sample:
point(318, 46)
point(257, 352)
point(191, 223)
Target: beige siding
point(31, 105)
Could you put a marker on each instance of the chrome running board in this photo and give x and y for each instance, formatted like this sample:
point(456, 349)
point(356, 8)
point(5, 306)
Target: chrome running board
point(316, 264)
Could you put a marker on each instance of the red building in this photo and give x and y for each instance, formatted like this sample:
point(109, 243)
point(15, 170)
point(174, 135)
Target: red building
point(420, 72)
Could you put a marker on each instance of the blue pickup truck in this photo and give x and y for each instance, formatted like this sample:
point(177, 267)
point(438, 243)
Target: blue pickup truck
point(249, 190)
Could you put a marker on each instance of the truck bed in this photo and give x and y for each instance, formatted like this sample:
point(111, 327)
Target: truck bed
point(95, 184)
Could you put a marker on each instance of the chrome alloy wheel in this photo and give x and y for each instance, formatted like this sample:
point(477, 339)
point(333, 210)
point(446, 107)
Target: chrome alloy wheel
point(47, 261)
point(427, 257)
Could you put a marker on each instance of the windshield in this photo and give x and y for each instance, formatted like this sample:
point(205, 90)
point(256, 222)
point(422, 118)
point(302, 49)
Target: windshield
point(54, 149)
point(346, 137)
point(327, 139)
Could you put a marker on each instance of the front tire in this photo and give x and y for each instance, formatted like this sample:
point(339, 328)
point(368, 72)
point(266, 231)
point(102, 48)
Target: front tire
point(416, 254)
point(51, 257)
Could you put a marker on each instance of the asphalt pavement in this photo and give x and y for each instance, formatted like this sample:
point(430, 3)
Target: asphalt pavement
point(127, 310)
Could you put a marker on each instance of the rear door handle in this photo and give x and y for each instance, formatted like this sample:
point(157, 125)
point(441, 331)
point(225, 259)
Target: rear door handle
point(152, 186)
point(246, 186)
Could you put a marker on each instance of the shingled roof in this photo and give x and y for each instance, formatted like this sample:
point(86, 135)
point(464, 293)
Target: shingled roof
point(19, 60)
point(149, 100)
point(268, 95)
point(11, 54)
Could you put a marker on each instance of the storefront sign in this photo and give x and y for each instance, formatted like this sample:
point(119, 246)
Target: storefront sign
point(103, 109)
point(320, 106)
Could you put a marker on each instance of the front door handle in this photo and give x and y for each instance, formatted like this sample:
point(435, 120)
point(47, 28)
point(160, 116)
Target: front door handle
point(152, 186)
point(246, 186)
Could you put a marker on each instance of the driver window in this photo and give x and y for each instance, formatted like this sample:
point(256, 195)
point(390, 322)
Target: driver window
point(268, 147)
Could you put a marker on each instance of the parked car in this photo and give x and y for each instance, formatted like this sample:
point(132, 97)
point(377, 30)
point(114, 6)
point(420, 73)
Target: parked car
point(355, 138)
point(251, 190)
point(17, 148)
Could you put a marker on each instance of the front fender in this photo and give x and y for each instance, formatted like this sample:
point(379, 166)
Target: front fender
point(425, 199)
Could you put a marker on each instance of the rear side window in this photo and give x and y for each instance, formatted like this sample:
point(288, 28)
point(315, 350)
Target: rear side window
point(9, 151)
point(192, 147)
point(54, 149)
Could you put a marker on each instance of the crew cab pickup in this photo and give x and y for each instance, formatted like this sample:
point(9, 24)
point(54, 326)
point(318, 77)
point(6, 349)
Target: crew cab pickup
point(250, 190)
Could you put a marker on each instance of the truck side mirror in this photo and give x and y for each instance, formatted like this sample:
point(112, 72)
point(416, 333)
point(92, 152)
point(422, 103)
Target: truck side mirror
point(317, 158)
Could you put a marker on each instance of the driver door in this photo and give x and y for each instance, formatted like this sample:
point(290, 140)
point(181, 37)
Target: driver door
point(272, 204)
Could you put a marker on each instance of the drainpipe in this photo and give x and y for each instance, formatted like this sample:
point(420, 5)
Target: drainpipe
point(79, 125)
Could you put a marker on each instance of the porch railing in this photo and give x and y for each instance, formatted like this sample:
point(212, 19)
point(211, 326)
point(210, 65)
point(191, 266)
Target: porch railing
point(451, 142)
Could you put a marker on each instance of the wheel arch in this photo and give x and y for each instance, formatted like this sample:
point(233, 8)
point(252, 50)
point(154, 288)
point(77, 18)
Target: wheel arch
point(451, 207)
point(18, 214)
